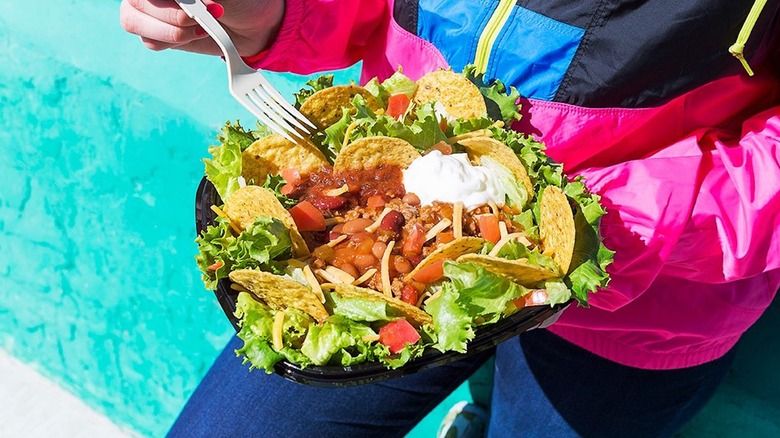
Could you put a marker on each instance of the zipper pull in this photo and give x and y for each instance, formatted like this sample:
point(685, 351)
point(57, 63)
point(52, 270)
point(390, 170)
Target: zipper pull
point(737, 49)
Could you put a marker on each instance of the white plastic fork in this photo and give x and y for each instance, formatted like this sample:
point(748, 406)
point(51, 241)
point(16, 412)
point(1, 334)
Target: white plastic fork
point(250, 88)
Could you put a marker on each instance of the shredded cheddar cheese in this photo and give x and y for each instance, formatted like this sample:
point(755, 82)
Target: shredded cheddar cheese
point(337, 240)
point(457, 220)
point(337, 191)
point(237, 228)
point(343, 276)
point(502, 229)
point(385, 269)
point(365, 277)
point(373, 227)
point(370, 338)
point(436, 229)
point(276, 334)
point(313, 283)
point(506, 239)
point(348, 132)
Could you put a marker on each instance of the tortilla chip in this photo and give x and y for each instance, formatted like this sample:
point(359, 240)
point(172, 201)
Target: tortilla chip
point(518, 270)
point(449, 251)
point(415, 316)
point(477, 147)
point(459, 96)
point(556, 227)
point(274, 153)
point(371, 152)
point(247, 203)
point(323, 108)
point(280, 293)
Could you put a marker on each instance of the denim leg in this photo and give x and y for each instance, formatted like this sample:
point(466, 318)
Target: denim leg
point(545, 386)
point(232, 402)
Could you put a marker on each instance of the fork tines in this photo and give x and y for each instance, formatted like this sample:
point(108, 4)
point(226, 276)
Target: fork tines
point(278, 114)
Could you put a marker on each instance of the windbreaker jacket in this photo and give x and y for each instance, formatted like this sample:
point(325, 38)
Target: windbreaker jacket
point(644, 100)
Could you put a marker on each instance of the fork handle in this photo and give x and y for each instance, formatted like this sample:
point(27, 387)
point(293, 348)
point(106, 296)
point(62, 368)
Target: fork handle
point(198, 12)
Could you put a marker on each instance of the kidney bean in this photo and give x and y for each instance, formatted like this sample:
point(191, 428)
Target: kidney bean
point(411, 199)
point(348, 268)
point(344, 254)
point(328, 202)
point(365, 262)
point(356, 225)
point(402, 265)
point(365, 247)
point(378, 249)
point(335, 232)
point(393, 221)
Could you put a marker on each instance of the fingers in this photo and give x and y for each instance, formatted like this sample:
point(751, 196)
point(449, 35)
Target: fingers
point(166, 11)
point(161, 24)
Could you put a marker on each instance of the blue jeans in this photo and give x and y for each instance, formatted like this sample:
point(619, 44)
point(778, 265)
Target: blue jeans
point(543, 387)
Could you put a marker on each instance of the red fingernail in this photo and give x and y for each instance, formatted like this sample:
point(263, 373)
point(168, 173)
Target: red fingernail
point(215, 9)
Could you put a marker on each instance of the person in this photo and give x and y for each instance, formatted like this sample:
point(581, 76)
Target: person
point(670, 109)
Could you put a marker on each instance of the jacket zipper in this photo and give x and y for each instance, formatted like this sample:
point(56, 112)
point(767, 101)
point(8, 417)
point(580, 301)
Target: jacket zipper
point(490, 33)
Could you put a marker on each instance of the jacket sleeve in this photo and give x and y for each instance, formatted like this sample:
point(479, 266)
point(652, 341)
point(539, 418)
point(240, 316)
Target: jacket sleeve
point(320, 35)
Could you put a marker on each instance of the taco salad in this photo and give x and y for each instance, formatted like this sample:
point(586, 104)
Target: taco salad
point(412, 217)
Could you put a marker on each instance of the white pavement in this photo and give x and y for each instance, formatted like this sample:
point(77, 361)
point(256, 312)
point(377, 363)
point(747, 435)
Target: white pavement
point(32, 406)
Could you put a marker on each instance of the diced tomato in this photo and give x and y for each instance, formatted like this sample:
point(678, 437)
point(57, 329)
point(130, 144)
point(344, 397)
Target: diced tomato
point(287, 189)
point(291, 175)
point(430, 273)
point(414, 241)
point(375, 201)
point(307, 217)
point(445, 237)
point(396, 334)
point(442, 147)
point(218, 264)
point(397, 105)
point(443, 125)
point(488, 227)
point(536, 298)
point(409, 294)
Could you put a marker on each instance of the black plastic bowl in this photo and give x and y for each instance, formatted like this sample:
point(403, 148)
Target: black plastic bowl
point(485, 338)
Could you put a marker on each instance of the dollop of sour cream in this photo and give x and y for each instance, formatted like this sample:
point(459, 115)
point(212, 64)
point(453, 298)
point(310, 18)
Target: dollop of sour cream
point(452, 178)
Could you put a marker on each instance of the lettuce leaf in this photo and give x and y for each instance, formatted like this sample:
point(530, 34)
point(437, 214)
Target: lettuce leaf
point(397, 83)
point(257, 247)
point(256, 332)
point(274, 183)
point(224, 167)
point(483, 294)
point(422, 129)
point(314, 85)
point(501, 104)
point(453, 327)
point(516, 193)
point(339, 337)
point(360, 309)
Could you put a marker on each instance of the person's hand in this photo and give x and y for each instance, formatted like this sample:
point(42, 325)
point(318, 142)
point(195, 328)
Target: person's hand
point(161, 24)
